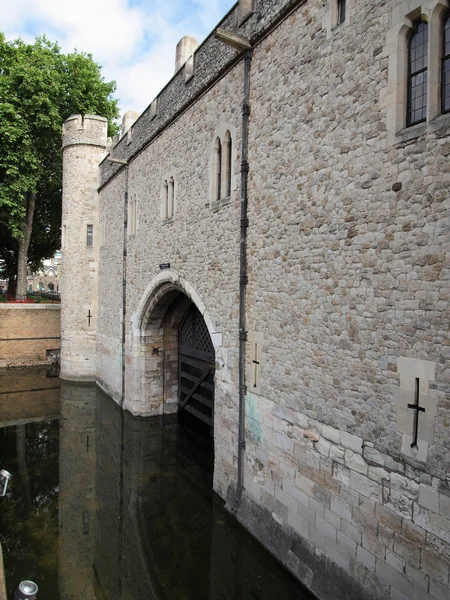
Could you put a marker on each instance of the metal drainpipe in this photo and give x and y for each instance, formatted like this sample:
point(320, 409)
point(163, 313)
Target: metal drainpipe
point(243, 279)
point(124, 282)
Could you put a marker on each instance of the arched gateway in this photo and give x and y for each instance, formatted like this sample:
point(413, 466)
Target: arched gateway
point(174, 344)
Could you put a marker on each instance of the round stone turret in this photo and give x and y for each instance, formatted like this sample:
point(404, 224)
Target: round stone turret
point(87, 130)
point(84, 145)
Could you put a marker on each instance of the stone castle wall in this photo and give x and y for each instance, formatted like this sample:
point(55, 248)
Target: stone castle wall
point(109, 347)
point(29, 333)
point(347, 296)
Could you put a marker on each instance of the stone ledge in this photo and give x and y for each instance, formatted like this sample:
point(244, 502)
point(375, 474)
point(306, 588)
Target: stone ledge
point(30, 306)
point(321, 575)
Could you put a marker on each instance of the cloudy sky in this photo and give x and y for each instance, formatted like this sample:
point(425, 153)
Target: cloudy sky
point(134, 40)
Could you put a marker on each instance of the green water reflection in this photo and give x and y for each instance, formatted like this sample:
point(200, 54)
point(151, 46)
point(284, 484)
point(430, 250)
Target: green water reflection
point(125, 512)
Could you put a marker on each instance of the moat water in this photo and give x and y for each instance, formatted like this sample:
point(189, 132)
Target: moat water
point(105, 506)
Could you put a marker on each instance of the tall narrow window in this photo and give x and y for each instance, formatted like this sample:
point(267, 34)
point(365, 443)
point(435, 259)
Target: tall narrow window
point(218, 168)
point(341, 11)
point(166, 200)
point(417, 73)
point(445, 83)
point(132, 215)
point(102, 232)
point(171, 197)
point(227, 149)
point(89, 236)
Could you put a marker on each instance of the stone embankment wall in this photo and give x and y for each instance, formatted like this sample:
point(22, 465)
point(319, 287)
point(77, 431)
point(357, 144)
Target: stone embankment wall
point(29, 333)
point(29, 394)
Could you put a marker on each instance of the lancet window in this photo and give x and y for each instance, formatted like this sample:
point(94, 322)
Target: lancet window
point(222, 172)
point(417, 73)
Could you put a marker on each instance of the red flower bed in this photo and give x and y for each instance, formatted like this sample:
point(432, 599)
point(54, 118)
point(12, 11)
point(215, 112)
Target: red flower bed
point(14, 301)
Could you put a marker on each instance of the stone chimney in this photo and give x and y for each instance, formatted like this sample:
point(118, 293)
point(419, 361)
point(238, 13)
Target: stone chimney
point(185, 49)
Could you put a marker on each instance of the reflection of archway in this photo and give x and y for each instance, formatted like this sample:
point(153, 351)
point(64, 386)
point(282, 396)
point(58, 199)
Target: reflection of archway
point(51, 287)
point(153, 384)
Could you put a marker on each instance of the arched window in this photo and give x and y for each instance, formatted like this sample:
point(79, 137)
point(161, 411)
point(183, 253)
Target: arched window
point(168, 199)
point(417, 73)
point(218, 169)
point(227, 152)
point(222, 177)
point(445, 81)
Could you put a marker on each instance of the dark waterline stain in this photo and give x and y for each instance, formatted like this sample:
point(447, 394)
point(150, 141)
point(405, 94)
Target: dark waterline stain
point(124, 511)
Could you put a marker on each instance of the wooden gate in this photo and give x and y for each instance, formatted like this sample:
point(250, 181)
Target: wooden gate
point(196, 367)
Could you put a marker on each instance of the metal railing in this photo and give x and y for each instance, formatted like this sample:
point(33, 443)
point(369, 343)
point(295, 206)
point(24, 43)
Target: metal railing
point(49, 295)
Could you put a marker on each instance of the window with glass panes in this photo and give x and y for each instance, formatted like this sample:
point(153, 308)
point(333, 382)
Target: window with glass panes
point(89, 235)
point(341, 11)
point(417, 73)
point(445, 83)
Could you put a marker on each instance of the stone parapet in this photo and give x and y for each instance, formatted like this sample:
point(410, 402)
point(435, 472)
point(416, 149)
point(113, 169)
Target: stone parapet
point(87, 129)
point(212, 59)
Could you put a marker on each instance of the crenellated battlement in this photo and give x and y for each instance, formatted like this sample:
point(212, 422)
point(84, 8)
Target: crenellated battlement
point(87, 129)
point(196, 68)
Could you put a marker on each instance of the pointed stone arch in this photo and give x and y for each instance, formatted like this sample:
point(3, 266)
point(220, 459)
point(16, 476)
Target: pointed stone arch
point(152, 380)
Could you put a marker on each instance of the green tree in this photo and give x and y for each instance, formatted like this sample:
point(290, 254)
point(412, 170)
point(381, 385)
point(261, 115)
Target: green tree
point(40, 87)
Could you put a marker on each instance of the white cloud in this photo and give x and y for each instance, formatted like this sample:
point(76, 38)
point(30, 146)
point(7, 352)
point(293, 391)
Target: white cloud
point(135, 43)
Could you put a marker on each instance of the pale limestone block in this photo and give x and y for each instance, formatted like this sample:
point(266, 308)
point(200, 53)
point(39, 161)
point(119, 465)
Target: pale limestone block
point(396, 562)
point(407, 486)
point(366, 558)
point(352, 442)
point(378, 474)
point(346, 542)
point(304, 484)
point(331, 433)
point(337, 454)
point(418, 453)
point(301, 526)
point(444, 506)
point(435, 524)
point(342, 474)
point(153, 109)
point(184, 50)
point(365, 486)
point(429, 403)
point(341, 508)
point(355, 462)
point(323, 447)
point(374, 456)
point(412, 368)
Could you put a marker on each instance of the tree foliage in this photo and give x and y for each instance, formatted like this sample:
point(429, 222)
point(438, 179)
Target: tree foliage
point(40, 87)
